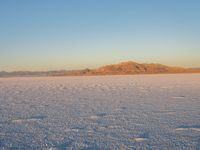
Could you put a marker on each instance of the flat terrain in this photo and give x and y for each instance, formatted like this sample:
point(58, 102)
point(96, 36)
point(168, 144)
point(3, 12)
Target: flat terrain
point(100, 112)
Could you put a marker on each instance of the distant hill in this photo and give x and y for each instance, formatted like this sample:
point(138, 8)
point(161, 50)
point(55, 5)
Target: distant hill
point(123, 68)
point(131, 67)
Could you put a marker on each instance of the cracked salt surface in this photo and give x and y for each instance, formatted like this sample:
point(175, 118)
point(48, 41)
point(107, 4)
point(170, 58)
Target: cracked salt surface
point(100, 112)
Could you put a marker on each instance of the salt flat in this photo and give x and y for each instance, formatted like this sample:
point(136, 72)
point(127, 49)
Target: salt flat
point(100, 112)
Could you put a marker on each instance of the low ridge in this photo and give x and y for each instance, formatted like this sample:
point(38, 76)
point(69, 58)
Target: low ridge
point(122, 68)
point(131, 67)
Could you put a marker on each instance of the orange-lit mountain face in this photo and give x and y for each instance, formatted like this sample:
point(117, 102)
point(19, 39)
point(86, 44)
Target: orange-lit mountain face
point(136, 68)
point(123, 68)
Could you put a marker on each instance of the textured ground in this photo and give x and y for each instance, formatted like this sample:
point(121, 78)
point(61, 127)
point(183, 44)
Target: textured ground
point(102, 112)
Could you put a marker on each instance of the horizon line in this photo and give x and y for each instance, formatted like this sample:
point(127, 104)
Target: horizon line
point(84, 68)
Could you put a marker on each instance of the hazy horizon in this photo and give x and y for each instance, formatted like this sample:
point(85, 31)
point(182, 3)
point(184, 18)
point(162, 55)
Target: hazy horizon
point(54, 35)
point(103, 65)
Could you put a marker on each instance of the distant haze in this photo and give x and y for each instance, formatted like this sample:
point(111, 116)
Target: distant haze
point(46, 35)
point(123, 68)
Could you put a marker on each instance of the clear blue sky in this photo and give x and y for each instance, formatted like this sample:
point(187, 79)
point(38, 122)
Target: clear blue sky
point(74, 34)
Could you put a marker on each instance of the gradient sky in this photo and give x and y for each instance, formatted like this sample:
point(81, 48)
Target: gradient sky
point(74, 34)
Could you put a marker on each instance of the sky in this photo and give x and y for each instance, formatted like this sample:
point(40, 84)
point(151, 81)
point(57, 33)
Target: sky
point(77, 34)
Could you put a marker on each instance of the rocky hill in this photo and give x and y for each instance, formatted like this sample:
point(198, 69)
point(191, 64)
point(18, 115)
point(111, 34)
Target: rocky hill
point(123, 68)
point(131, 67)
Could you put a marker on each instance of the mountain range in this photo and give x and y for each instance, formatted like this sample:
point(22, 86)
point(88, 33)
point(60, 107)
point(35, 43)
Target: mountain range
point(123, 68)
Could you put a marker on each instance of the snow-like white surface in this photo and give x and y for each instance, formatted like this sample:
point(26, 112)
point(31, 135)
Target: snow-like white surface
point(101, 112)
